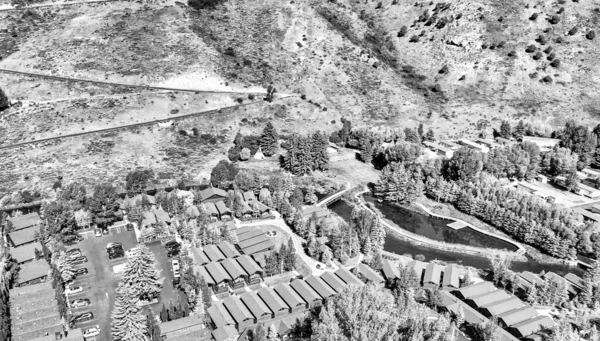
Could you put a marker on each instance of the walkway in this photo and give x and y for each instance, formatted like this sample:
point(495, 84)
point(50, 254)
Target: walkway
point(521, 250)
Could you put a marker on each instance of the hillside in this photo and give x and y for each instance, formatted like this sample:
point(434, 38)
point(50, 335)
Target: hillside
point(468, 69)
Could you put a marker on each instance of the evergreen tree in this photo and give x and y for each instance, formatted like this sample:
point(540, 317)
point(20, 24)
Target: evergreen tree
point(430, 136)
point(152, 326)
point(140, 275)
point(128, 322)
point(310, 197)
point(519, 130)
point(290, 257)
point(164, 315)
point(505, 130)
point(421, 131)
point(260, 334)
point(268, 140)
point(313, 250)
point(3, 101)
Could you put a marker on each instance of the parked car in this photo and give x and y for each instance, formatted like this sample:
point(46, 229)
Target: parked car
point(83, 317)
point(170, 245)
point(79, 272)
point(91, 332)
point(98, 232)
point(72, 252)
point(79, 260)
point(111, 245)
point(130, 227)
point(175, 264)
point(105, 232)
point(73, 290)
point(116, 254)
point(80, 302)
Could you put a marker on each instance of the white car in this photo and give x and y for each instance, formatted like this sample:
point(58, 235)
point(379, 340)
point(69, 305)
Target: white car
point(90, 332)
point(175, 263)
point(73, 290)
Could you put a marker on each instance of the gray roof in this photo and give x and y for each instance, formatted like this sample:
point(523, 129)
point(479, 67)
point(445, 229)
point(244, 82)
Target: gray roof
point(226, 315)
point(489, 297)
point(333, 281)
point(237, 309)
point(201, 258)
point(390, 270)
point(533, 325)
point(217, 272)
point(305, 291)
point(207, 278)
point(518, 315)
point(322, 288)
point(222, 208)
point(216, 316)
point(348, 277)
point(247, 242)
point(499, 307)
point(224, 333)
point(369, 274)
point(265, 245)
point(433, 273)
point(256, 306)
point(531, 277)
point(26, 252)
point(272, 300)
point(233, 268)
point(289, 296)
point(211, 209)
point(212, 192)
point(575, 280)
point(227, 249)
point(32, 270)
point(213, 253)
point(418, 266)
point(476, 289)
point(24, 236)
point(451, 278)
point(249, 196)
point(249, 265)
point(24, 221)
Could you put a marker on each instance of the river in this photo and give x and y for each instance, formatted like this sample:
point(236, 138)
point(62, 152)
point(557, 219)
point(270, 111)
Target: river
point(435, 228)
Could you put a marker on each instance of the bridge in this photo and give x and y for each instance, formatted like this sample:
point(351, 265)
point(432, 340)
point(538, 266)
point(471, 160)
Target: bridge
point(334, 197)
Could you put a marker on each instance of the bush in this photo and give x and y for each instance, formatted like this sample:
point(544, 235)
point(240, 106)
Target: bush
point(548, 50)
point(437, 88)
point(403, 31)
point(555, 63)
point(251, 96)
point(444, 70)
point(538, 56)
point(541, 39)
point(3, 100)
point(484, 46)
point(591, 35)
point(512, 53)
point(534, 16)
point(204, 4)
point(547, 79)
point(501, 44)
point(462, 78)
point(555, 19)
point(559, 40)
point(530, 49)
point(414, 39)
point(573, 31)
point(551, 56)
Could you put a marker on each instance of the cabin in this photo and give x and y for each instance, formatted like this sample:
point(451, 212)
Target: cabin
point(23, 221)
point(254, 241)
point(319, 286)
point(201, 259)
point(370, 276)
point(419, 268)
point(212, 195)
point(211, 210)
point(528, 279)
point(249, 196)
point(333, 281)
point(544, 143)
point(474, 290)
point(257, 307)
point(27, 253)
point(504, 142)
point(260, 209)
point(33, 272)
point(487, 298)
point(516, 316)
point(587, 191)
point(575, 281)
point(390, 270)
point(213, 253)
point(227, 249)
point(472, 145)
point(274, 302)
point(216, 317)
point(249, 265)
point(207, 278)
point(310, 296)
point(348, 277)
point(23, 236)
point(236, 273)
point(499, 307)
point(571, 289)
point(220, 277)
point(433, 276)
point(290, 297)
point(162, 216)
point(241, 315)
point(224, 212)
point(528, 327)
point(451, 280)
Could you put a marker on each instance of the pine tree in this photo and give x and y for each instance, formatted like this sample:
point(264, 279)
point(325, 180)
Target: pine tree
point(268, 140)
point(430, 135)
point(519, 130)
point(3, 100)
point(128, 322)
point(152, 326)
point(312, 246)
point(164, 315)
point(290, 257)
point(310, 197)
point(505, 130)
point(140, 275)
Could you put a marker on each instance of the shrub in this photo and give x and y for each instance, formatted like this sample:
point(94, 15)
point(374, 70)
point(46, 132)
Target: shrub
point(240, 100)
point(559, 40)
point(547, 79)
point(512, 53)
point(548, 50)
point(379, 5)
point(492, 47)
point(573, 31)
point(204, 4)
point(437, 88)
point(458, 16)
point(534, 16)
point(3, 100)
point(501, 19)
point(551, 56)
point(444, 69)
point(501, 44)
point(541, 39)
point(462, 78)
point(591, 35)
point(538, 56)
point(560, 10)
point(414, 39)
point(251, 96)
point(484, 46)
point(402, 31)
point(555, 63)
point(555, 19)
point(533, 75)
point(530, 49)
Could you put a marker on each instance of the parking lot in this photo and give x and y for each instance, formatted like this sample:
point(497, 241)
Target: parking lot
point(100, 282)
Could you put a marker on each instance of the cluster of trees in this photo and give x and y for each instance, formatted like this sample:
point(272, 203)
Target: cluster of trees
point(140, 282)
point(399, 183)
point(581, 141)
point(223, 174)
point(8, 274)
point(278, 262)
point(136, 181)
point(243, 147)
point(174, 311)
point(306, 154)
point(3, 101)
point(519, 161)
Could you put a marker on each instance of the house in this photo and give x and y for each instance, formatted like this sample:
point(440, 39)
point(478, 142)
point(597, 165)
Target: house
point(254, 241)
point(26, 253)
point(249, 196)
point(217, 318)
point(247, 211)
point(516, 316)
point(257, 307)
point(487, 298)
point(541, 178)
point(473, 145)
point(162, 216)
point(544, 143)
point(260, 209)
point(212, 195)
point(451, 280)
point(485, 142)
point(213, 253)
point(23, 236)
point(575, 281)
point(229, 321)
point(419, 268)
point(308, 294)
point(390, 270)
point(499, 307)
point(220, 277)
point(348, 277)
point(210, 209)
point(226, 333)
point(23, 221)
point(319, 286)
point(227, 249)
point(148, 218)
point(504, 142)
point(224, 212)
point(290, 297)
point(572, 289)
point(261, 258)
point(207, 278)
point(236, 273)
point(183, 329)
point(315, 212)
point(333, 281)
point(474, 290)
point(200, 258)
point(274, 302)
point(528, 279)
point(587, 215)
point(590, 173)
point(34, 312)
point(587, 191)
point(241, 315)
point(531, 326)
point(249, 265)
point(450, 144)
point(433, 276)
point(370, 276)
point(36, 271)
point(445, 152)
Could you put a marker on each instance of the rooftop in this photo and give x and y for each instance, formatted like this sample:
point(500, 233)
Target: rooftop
point(475, 289)
point(451, 277)
point(256, 306)
point(227, 249)
point(225, 333)
point(390, 270)
point(433, 273)
point(533, 325)
point(289, 296)
point(249, 265)
point(213, 253)
point(272, 300)
point(222, 208)
point(26, 252)
point(23, 236)
point(237, 309)
point(489, 297)
point(307, 293)
point(333, 281)
point(32, 270)
point(212, 192)
point(369, 274)
point(233, 268)
point(24, 221)
point(322, 288)
point(265, 245)
point(189, 323)
point(217, 272)
point(517, 315)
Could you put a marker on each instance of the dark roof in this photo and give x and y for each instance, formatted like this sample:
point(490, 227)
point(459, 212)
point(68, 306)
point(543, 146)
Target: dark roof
point(201, 258)
point(288, 295)
point(217, 272)
point(333, 281)
point(247, 242)
point(202, 272)
point(249, 265)
point(249, 196)
point(305, 291)
point(32, 270)
point(213, 253)
point(261, 247)
point(347, 277)
point(320, 286)
point(451, 276)
point(224, 333)
point(499, 307)
point(517, 315)
point(533, 325)
point(256, 306)
point(216, 316)
point(222, 208)
point(489, 297)
point(476, 289)
point(227, 249)
point(237, 309)
point(212, 191)
point(390, 270)
point(23, 236)
point(433, 273)
point(26, 252)
point(272, 300)
point(24, 221)
point(233, 268)
point(369, 274)
point(575, 280)
point(226, 315)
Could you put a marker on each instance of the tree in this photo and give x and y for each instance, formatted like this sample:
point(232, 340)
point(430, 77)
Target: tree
point(313, 249)
point(3, 100)
point(260, 334)
point(430, 136)
point(152, 326)
point(486, 332)
point(399, 184)
point(245, 154)
point(140, 275)
point(223, 174)
point(459, 317)
point(268, 140)
point(421, 131)
point(310, 197)
point(103, 204)
point(326, 256)
point(128, 322)
point(465, 164)
point(63, 265)
point(60, 219)
point(272, 333)
point(136, 181)
point(204, 4)
point(406, 281)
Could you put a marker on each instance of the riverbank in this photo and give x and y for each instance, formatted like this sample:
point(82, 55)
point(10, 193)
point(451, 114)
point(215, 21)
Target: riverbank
point(449, 210)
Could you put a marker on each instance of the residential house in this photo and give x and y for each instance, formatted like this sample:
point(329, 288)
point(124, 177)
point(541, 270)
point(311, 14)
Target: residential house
point(225, 333)
point(487, 298)
point(211, 210)
point(531, 326)
point(573, 290)
point(228, 250)
point(217, 318)
point(575, 281)
point(26, 253)
point(213, 253)
point(257, 307)
point(34, 312)
point(473, 145)
point(274, 302)
point(225, 313)
point(474, 290)
point(254, 242)
point(290, 297)
point(207, 278)
point(333, 281)
point(370, 276)
point(515, 316)
point(33, 272)
point(162, 216)
point(260, 209)
point(249, 265)
point(241, 315)
point(433, 276)
point(390, 270)
point(236, 273)
point(419, 268)
point(451, 280)
point(348, 277)
point(212, 195)
point(310, 296)
point(200, 258)
point(220, 277)
point(500, 307)
point(249, 196)
point(319, 286)
point(528, 279)
point(23, 221)
point(224, 212)
point(247, 211)
point(450, 144)
point(23, 236)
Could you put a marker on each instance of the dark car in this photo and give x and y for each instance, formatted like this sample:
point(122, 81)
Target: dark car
point(79, 272)
point(72, 239)
point(73, 252)
point(130, 227)
point(116, 254)
point(82, 317)
point(173, 252)
point(172, 245)
point(79, 260)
